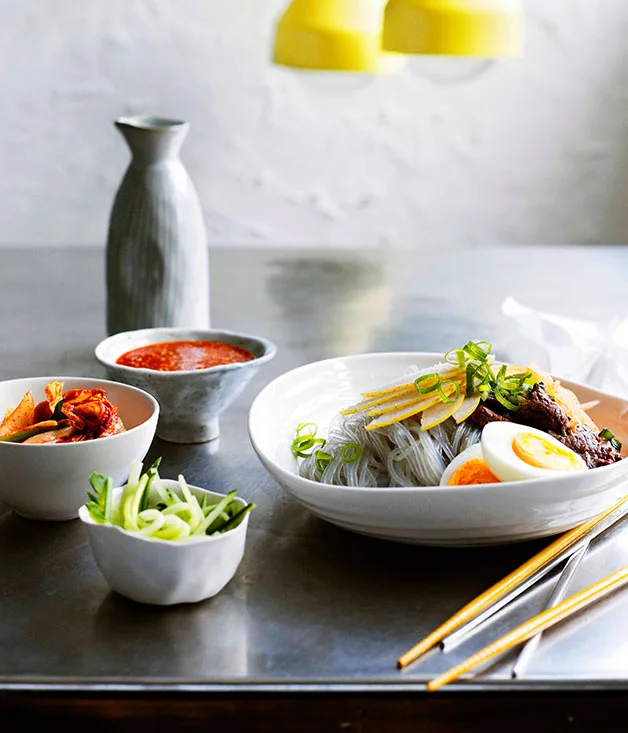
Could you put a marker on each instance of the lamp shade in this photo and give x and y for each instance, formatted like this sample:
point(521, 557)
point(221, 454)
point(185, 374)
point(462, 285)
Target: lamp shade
point(485, 28)
point(334, 35)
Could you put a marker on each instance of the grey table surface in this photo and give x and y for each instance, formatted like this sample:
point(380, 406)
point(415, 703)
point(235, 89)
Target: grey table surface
point(312, 607)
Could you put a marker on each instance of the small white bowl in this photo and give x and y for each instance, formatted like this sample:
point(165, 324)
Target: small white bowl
point(191, 401)
point(434, 515)
point(49, 482)
point(161, 572)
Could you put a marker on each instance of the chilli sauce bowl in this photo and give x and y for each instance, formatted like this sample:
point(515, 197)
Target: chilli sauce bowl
point(48, 482)
point(191, 402)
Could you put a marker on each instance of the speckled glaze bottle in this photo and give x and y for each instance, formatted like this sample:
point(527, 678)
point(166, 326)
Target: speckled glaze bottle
point(157, 261)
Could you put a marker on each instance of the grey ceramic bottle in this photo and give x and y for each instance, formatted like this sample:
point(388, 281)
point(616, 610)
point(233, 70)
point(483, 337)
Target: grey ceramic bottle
point(157, 261)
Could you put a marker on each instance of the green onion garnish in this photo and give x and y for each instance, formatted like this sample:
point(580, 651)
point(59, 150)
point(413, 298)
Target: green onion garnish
point(470, 385)
point(609, 436)
point(351, 453)
point(322, 460)
point(421, 383)
point(504, 400)
point(444, 385)
point(475, 351)
point(456, 357)
point(304, 444)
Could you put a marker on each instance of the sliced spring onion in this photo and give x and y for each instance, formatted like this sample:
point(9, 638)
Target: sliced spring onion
point(351, 453)
point(504, 400)
point(477, 375)
point(609, 436)
point(445, 385)
point(456, 357)
point(423, 388)
point(322, 460)
point(304, 443)
point(475, 350)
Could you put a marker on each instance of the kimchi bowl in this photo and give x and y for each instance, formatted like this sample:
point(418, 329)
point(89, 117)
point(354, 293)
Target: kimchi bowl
point(48, 480)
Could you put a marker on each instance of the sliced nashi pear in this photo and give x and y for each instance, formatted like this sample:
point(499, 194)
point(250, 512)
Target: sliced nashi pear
point(364, 405)
point(466, 408)
point(439, 413)
point(444, 370)
point(402, 413)
point(404, 400)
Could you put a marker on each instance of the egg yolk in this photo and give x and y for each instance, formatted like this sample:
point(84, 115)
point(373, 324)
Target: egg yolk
point(474, 471)
point(541, 453)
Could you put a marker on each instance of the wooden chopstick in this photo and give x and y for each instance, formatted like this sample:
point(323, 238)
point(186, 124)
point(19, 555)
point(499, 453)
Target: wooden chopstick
point(505, 585)
point(536, 624)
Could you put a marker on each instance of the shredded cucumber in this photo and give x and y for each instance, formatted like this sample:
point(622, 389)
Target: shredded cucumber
point(163, 513)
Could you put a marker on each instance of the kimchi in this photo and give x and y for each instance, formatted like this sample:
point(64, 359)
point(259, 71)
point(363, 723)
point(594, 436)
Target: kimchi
point(63, 417)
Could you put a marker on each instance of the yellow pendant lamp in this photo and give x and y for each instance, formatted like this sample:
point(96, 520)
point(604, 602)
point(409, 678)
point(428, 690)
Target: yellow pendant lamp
point(484, 28)
point(334, 35)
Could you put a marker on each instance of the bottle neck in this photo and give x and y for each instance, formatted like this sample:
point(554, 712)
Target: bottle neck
point(153, 140)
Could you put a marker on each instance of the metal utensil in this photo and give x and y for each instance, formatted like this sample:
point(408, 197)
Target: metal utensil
point(557, 595)
point(464, 632)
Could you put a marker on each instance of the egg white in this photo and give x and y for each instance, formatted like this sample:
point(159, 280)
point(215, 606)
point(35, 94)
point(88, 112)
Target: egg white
point(498, 453)
point(474, 451)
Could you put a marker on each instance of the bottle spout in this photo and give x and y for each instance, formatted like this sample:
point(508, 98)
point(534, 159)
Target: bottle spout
point(153, 139)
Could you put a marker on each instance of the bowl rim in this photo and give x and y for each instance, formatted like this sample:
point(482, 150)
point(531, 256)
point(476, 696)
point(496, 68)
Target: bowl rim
point(270, 351)
point(98, 382)
point(452, 490)
point(85, 517)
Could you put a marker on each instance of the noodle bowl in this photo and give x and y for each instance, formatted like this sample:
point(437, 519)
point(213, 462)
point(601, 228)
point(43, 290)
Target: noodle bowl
point(437, 515)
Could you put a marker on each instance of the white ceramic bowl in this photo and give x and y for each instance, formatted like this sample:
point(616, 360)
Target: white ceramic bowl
point(191, 402)
point(49, 481)
point(471, 515)
point(164, 573)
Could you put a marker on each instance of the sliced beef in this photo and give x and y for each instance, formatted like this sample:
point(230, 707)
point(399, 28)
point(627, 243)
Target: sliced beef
point(541, 412)
point(595, 451)
point(483, 415)
point(496, 406)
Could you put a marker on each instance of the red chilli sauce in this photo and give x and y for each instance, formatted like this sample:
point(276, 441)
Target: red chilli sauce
point(178, 356)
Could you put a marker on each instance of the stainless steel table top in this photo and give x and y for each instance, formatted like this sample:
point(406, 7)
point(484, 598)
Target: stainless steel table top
point(312, 607)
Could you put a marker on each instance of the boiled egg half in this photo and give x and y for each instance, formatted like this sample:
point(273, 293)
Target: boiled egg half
point(511, 452)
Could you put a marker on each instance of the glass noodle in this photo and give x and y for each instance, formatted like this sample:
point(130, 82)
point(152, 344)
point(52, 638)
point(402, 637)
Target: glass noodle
point(398, 455)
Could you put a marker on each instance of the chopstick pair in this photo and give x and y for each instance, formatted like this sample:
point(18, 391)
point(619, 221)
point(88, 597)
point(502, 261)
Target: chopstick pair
point(535, 625)
point(520, 579)
point(602, 524)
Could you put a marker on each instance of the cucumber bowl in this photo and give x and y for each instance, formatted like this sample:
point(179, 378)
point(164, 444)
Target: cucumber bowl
point(160, 568)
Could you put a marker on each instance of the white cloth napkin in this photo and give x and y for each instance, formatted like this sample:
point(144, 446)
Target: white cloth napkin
point(581, 351)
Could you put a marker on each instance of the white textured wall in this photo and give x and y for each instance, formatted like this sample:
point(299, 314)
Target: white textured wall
point(533, 150)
